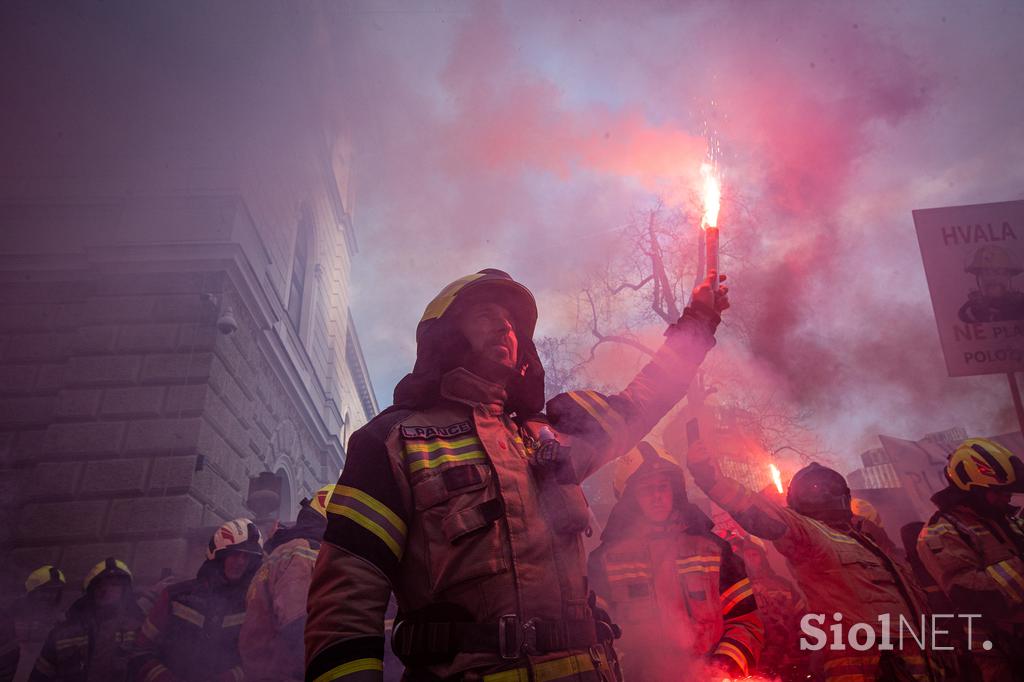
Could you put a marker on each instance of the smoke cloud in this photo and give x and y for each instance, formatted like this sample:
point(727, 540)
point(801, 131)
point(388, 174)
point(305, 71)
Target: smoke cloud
point(521, 135)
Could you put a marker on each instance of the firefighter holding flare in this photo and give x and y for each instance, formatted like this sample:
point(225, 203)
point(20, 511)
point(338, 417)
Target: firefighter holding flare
point(679, 592)
point(464, 500)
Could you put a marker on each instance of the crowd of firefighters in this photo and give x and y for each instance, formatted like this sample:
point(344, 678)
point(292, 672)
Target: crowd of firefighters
point(463, 504)
point(241, 618)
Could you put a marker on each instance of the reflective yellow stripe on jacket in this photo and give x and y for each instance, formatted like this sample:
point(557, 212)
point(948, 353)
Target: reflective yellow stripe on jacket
point(372, 515)
point(1009, 580)
point(548, 671)
point(351, 668)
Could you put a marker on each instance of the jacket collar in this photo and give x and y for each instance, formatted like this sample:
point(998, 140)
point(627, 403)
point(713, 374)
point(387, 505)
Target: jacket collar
point(463, 386)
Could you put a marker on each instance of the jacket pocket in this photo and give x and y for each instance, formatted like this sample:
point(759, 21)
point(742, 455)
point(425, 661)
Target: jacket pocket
point(858, 561)
point(565, 506)
point(461, 514)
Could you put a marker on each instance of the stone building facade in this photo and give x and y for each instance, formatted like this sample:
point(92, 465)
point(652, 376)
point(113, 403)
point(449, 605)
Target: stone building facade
point(174, 315)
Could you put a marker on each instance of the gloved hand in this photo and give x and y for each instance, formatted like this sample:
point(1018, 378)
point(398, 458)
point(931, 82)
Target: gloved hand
point(723, 667)
point(716, 301)
point(546, 456)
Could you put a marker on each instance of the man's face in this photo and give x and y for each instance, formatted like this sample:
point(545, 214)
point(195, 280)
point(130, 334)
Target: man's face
point(654, 495)
point(235, 565)
point(110, 591)
point(45, 597)
point(489, 331)
point(999, 499)
point(994, 283)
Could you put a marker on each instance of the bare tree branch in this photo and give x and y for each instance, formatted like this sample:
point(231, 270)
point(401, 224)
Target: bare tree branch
point(635, 287)
point(610, 338)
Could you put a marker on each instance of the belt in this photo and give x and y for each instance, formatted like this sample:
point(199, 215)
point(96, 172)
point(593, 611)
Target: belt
point(510, 637)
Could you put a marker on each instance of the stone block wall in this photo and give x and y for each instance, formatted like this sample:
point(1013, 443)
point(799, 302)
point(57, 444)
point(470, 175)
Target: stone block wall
point(130, 426)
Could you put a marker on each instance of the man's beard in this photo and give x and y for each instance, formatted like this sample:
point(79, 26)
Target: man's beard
point(488, 369)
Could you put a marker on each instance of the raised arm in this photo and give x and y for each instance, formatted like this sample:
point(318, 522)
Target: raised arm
point(757, 514)
point(608, 426)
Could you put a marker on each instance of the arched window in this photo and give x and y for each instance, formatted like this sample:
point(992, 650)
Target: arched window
point(300, 269)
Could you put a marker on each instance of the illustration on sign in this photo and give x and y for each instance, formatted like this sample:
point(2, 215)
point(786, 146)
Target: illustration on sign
point(974, 261)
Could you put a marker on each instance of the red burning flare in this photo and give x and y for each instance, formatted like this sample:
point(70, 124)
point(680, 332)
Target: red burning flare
point(776, 477)
point(711, 196)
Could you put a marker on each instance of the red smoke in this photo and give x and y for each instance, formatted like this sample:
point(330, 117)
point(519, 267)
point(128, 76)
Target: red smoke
point(528, 134)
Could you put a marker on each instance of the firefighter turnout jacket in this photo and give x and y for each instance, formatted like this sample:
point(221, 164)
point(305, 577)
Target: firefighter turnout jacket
point(191, 633)
point(977, 559)
point(88, 646)
point(440, 504)
point(840, 570)
point(271, 638)
point(680, 595)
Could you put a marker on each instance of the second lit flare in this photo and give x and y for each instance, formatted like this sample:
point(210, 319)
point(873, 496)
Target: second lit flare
point(711, 197)
point(776, 477)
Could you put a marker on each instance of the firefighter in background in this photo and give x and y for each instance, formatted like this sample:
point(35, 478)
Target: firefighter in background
point(465, 500)
point(33, 615)
point(995, 299)
point(191, 634)
point(867, 520)
point(94, 641)
point(937, 599)
point(974, 548)
point(839, 568)
point(271, 638)
point(781, 606)
point(677, 590)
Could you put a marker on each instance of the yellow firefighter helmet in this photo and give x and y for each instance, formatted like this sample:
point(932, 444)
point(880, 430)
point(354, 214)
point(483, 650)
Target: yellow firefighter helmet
point(239, 535)
point(984, 463)
point(629, 464)
point(993, 258)
point(498, 285)
point(321, 498)
point(866, 510)
point(108, 568)
point(45, 576)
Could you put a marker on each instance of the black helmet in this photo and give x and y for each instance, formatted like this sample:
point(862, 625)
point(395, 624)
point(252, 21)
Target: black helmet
point(816, 489)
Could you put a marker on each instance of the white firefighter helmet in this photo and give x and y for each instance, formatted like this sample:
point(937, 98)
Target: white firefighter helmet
point(238, 535)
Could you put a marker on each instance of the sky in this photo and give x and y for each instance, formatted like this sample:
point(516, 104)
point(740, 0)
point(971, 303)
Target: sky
point(522, 136)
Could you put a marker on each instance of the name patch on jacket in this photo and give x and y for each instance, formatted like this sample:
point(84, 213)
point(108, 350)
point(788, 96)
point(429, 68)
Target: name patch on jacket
point(428, 432)
point(434, 447)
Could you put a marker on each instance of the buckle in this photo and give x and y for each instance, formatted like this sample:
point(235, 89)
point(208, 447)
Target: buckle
point(510, 636)
point(515, 639)
point(530, 637)
point(400, 645)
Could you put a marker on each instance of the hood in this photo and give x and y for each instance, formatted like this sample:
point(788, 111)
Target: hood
point(440, 348)
point(952, 496)
point(212, 573)
point(84, 608)
point(626, 516)
point(308, 526)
